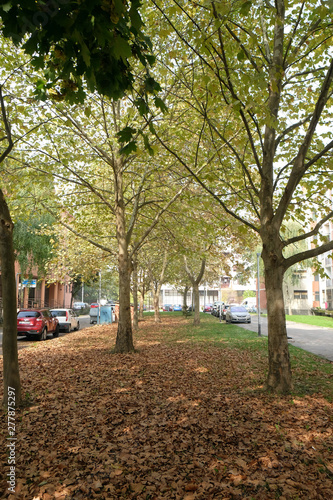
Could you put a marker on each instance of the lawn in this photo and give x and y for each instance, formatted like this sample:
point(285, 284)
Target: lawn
point(185, 417)
point(312, 320)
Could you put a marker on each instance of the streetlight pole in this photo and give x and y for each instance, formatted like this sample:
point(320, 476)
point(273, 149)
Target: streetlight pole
point(258, 280)
point(100, 288)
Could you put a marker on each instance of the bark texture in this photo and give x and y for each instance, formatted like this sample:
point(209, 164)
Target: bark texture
point(135, 295)
point(11, 373)
point(195, 281)
point(124, 340)
point(279, 377)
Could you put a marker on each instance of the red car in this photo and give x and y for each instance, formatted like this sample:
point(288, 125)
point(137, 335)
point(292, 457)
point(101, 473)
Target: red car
point(37, 323)
point(208, 308)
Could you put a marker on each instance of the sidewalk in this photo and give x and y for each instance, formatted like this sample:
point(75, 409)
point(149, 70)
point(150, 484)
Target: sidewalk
point(315, 339)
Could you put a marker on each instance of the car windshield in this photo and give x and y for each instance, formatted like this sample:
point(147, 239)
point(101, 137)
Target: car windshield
point(28, 314)
point(238, 309)
point(58, 313)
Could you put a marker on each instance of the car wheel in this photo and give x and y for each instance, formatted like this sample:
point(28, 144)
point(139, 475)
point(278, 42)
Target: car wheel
point(56, 333)
point(43, 335)
point(249, 321)
point(78, 326)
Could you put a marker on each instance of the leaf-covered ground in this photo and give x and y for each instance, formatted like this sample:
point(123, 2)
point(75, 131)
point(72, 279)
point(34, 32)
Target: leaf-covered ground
point(175, 420)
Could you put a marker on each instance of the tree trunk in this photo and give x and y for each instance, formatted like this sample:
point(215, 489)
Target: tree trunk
point(124, 340)
point(196, 320)
point(157, 316)
point(279, 370)
point(11, 375)
point(135, 295)
point(185, 299)
point(156, 285)
point(195, 284)
point(141, 306)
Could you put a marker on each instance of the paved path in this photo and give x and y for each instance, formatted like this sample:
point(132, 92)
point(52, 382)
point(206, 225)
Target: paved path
point(315, 339)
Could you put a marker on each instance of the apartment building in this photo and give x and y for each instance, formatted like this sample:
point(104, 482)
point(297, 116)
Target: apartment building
point(32, 291)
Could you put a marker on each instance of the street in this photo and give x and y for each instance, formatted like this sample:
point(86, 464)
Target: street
point(315, 339)
point(24, 342)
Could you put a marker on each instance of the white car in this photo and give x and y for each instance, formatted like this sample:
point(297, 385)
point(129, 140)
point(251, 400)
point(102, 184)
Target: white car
point(79, 305)
point(67, 318)
point(237, 314)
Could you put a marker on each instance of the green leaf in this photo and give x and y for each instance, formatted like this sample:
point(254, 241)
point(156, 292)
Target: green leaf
point(245, 8)
point(6, 7)
point(151, 85)
point(142, 106)
point(152, 128)
point(122, 49)
point(126, 134)
point(241, 55)
point(147, 145)
point(131, 147)
point(159, 103)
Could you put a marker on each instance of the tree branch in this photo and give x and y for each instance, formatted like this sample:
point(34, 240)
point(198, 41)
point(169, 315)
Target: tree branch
point(7, 128)
point(299, 168)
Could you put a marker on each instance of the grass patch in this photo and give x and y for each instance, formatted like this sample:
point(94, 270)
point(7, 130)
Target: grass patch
point(311, 373)
point(312, 320)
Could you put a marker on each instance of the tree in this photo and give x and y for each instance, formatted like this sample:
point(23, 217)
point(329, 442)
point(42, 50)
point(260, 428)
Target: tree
point(56, 43)
point(92, 42)
point(33, 249)
point(9, 338)
point(258, 77)
point(195, 279)
point(157, 265)
point(10, 66)
point(113, 200)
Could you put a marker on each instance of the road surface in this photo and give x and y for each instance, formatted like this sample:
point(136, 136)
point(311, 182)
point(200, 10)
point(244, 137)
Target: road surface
point(315, 339)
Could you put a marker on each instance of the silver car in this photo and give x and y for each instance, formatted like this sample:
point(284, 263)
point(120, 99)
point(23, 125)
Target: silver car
point(237, 314)
point(67, 318)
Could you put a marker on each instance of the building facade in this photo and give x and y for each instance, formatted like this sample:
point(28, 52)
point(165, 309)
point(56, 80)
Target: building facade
point(32, 291)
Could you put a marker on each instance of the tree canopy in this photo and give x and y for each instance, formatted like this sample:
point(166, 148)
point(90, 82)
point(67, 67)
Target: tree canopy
point(90, 41)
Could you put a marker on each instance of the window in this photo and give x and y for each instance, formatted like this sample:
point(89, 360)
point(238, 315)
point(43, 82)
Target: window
point(317, 296)
point(316, 278)
point(300, 273)
point(300, 294)
point(28, 314)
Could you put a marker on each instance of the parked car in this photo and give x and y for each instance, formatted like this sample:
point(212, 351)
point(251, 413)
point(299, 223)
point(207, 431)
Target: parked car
point(225, 308)
point(112, 304)
point(93, 313)
point(207, 308)
point(167, 307)
point(219, 310)
point(37, 323)
point(178, 307)
point(251, 309)
point(79, 305)
point(237, 314)
point(67, 318)
point(216, 308)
